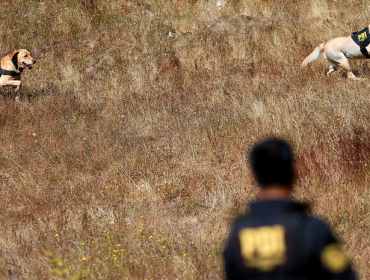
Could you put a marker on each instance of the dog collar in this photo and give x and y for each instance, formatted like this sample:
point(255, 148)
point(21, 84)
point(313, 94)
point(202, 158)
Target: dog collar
point(15, 64)
point(11, 73)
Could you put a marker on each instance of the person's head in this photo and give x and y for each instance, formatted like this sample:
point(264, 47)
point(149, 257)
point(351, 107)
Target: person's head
point(272, 163)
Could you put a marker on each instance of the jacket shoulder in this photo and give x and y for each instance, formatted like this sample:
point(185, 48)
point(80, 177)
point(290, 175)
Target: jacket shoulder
point(317, 224)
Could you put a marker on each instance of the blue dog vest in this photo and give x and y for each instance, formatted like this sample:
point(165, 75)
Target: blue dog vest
point(362, 38)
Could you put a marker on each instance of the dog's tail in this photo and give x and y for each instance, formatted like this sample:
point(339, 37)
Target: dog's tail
point(313, 56)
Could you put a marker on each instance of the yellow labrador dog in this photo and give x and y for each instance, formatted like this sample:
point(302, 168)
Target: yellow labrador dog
point(12, 66)
point(337, 51)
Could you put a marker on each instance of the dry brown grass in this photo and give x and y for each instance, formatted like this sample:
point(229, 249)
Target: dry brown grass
point(129, 125)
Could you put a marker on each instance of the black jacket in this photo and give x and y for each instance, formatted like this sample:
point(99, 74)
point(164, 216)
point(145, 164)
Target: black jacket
point(279, 240)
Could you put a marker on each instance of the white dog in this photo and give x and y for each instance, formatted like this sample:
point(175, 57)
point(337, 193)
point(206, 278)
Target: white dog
point(338, 50)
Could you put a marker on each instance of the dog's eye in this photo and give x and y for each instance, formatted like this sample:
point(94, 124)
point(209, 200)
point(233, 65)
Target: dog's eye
point(25, 56)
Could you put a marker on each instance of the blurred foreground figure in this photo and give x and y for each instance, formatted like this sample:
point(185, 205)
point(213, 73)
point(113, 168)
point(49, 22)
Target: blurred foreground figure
point(277, 239)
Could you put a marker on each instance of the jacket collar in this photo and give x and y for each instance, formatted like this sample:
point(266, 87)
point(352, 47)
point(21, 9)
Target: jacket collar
point(277, 207)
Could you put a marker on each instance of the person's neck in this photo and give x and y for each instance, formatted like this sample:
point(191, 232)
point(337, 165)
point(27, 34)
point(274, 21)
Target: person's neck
point(275, 192)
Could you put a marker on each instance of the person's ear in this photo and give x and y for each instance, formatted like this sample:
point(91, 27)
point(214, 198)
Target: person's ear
point(254, 178)
point(294, 173)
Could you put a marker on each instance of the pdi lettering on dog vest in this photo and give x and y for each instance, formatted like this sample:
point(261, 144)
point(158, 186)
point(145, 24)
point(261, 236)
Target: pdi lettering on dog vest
point(362, 38)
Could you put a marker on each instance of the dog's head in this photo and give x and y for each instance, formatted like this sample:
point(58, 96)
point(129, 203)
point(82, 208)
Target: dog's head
point(22, 58)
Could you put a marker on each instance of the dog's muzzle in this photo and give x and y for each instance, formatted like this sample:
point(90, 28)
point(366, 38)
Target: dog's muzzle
point(29, 66)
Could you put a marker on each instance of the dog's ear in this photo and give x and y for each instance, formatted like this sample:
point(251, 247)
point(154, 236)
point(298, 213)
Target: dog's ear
point(11, 55)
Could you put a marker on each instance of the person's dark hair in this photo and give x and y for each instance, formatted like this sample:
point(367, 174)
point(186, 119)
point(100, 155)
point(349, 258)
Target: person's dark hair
point(272, 163)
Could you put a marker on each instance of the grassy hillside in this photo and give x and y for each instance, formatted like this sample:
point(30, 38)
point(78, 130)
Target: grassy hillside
point(127, 161)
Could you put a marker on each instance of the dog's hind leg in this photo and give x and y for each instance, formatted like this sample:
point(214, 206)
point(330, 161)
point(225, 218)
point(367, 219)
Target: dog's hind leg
point(337, 58)
point(331, 69)
point(333, 66)
point(344, 64)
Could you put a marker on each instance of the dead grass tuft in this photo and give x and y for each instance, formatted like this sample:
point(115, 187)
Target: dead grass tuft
point(125, 160)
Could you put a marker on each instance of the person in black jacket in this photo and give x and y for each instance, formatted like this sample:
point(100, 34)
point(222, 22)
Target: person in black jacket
point(277, 239)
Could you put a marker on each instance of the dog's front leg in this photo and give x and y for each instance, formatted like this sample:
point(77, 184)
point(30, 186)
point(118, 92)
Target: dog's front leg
point(13, 83)
point(19, 85)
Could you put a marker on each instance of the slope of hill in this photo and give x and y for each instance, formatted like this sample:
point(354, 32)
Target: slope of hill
point(128, 160)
